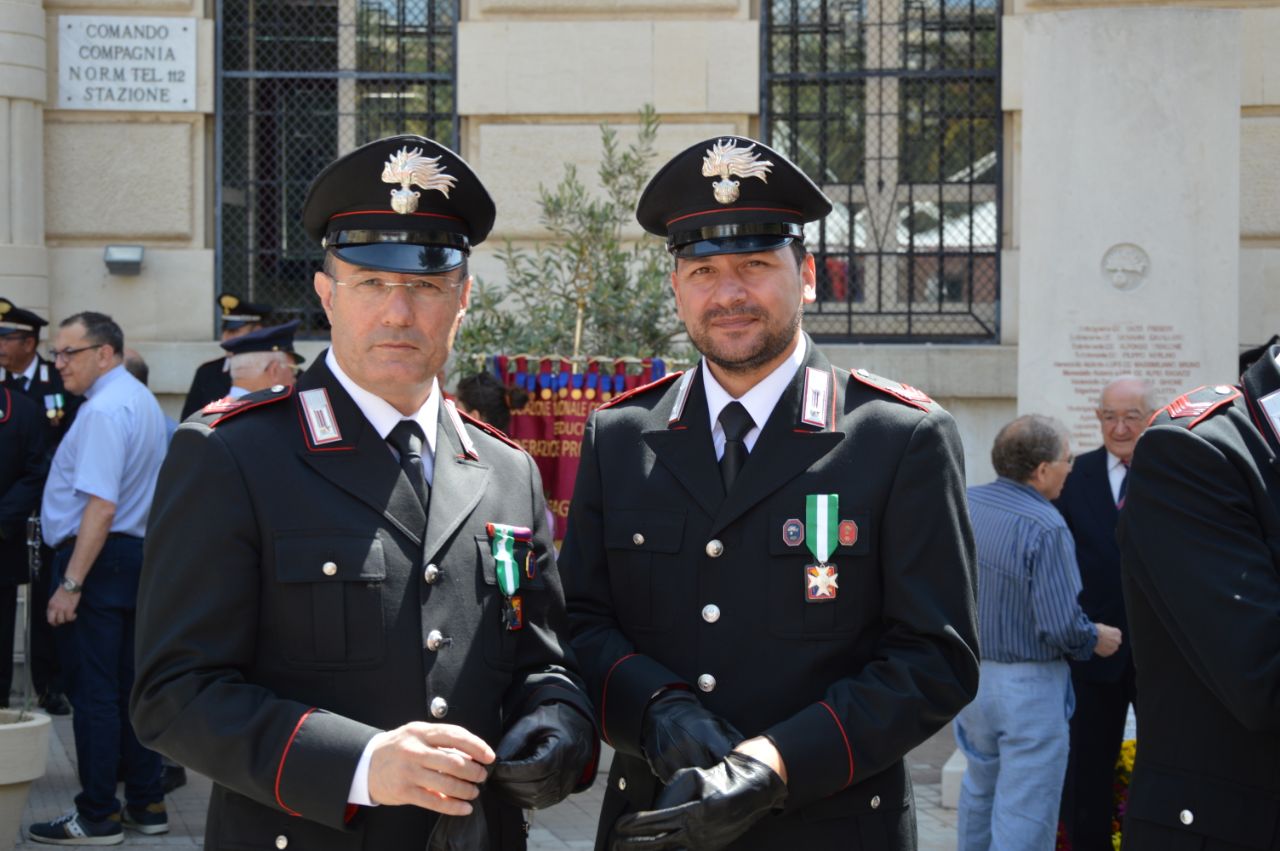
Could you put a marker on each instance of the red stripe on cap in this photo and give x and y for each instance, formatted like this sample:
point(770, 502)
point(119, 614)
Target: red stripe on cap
point(280, 767)
point(393, 212)
point(732, 210)
point(844, 736)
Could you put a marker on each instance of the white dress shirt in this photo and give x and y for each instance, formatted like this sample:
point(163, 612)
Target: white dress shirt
point(759, 401)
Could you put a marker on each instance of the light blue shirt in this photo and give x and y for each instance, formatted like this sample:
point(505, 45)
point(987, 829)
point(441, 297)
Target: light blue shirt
point(113, 451)
point(1028, 579)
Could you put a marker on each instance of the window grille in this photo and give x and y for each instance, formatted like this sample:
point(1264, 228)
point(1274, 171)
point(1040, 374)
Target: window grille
point(893, 107)
point(299, 84)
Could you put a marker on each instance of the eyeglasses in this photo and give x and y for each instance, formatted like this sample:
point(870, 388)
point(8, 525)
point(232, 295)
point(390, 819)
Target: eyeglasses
point(421, 289)
point(56, 355)
point(1110, 419)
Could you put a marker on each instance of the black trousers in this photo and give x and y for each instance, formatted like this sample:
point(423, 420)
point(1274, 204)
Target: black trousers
point(8, 620)
point(1097, 731)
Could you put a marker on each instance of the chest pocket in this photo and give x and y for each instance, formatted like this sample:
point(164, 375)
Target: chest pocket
point(856, 583)
point(331, 589)
point(643, 549)
point(499, 642)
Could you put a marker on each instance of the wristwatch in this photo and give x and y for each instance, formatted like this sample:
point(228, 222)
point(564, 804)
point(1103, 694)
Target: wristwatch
point(70, 585)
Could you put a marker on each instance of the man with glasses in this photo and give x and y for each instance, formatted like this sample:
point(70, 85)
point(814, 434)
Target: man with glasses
point(1015, 732)
point(263, 359)
point(23, 371)
point(370, 621)
point(93, 515)
point(1104, 686)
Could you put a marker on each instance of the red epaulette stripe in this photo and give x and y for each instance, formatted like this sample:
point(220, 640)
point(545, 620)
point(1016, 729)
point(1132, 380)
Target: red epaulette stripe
point(1236, 395)
point(910, 395)
point(280, 767)
point(844, 736)
point(604, 698)
point(666, 379)
point(491, 430)
point(8, 406)
point(1182, 407)
point(350, 813)
point(241, 407)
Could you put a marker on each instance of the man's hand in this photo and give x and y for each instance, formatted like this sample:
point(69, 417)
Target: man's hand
point(543, 755)
point(704, 808)
point(1109, 640)
point(677, 732)
point(62, 607)
point(434, 766)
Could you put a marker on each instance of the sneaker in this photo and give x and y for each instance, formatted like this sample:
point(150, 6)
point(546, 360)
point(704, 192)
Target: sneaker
point(150, 819)
point(75, 829)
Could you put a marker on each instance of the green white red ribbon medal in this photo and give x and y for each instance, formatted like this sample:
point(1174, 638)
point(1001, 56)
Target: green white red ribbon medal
point(822, 511)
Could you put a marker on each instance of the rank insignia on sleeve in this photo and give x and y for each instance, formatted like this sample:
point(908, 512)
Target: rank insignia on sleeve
point(848, 533)
point(821, 582)
point(793, 532)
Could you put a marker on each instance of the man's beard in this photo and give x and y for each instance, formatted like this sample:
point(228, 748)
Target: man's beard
point(774, 343)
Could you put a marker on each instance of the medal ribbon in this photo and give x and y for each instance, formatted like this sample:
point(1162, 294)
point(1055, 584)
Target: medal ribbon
point(821, 513)
point(503, 540)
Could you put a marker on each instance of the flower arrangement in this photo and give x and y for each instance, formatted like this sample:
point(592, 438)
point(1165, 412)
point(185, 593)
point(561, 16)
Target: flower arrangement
point(1124, 771)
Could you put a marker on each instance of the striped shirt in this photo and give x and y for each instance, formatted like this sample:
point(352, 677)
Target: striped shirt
point(1028, 579)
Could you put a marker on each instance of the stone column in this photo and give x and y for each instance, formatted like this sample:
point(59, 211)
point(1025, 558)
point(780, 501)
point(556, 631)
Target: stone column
point(1130, 213)
point(24, 262)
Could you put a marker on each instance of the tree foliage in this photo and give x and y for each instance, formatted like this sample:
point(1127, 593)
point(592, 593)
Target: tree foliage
point(588, 291)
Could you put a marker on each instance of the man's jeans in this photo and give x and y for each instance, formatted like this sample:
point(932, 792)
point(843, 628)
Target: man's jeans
point(97, 659)
point(1015, 736)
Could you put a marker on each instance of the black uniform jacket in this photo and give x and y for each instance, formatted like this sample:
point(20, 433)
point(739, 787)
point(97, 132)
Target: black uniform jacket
point(57, 406)
point(1200, 541)
point(287, 595)
point(844, 687)
point(211, 382)
point(1090, 511)
point(23, 465)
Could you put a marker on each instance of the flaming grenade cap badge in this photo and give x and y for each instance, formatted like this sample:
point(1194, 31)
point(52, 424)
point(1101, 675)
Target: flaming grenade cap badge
point(726, 159)
point(408, 167)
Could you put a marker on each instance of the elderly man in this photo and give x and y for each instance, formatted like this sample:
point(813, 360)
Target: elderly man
point(1015, 733)
point(766, 628)
point(263, 359)
point(212, 379)
point(94, 514)
point(1200, 557)
point(368, 622)
point(1104, 687)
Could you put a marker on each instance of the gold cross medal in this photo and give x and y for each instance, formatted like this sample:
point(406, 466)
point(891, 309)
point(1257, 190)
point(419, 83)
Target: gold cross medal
point(503, 540)
point(822, 578)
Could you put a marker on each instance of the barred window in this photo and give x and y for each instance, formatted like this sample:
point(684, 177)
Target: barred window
point(299, 84)
point(893, 107)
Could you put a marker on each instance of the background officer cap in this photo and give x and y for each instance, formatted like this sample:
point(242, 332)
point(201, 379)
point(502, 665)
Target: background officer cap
point(729, 195)
point(236, 313)
point(401, 204)
point(15, 320)
point(277, 338)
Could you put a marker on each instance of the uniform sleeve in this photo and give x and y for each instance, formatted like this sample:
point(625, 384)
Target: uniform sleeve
point(27, 436)
point(102, 448)
point(621, 681)
point(196, 634)
point(1191, 540)
point(926, 659)
point(1055, 591)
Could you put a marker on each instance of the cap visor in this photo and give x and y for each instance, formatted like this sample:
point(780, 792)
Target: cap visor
point(733, 245)
point(402, 257)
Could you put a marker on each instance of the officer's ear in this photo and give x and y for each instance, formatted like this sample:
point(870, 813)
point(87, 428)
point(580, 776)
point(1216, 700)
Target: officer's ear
point(324, 289)
point(808, 279)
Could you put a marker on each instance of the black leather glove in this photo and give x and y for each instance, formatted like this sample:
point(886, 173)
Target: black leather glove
point(704, 808)
point(543, 755)
point(461, 833)
point(677, 732)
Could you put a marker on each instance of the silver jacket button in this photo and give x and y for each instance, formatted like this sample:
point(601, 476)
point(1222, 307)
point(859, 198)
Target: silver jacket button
point(277, 388)
point(439, 707)
point(329, 569)
point(711, 613)
point(431, 574)
point(637, 539)
point(714, 548)
point(875, 802)
point(1186, 817)
point(706, 682)
point(435, 640)
point(622, 784)
point(282, 842)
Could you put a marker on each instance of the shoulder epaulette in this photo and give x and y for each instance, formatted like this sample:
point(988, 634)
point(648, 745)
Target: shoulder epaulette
point(218, 412)
point(491, 430)
point(643, 388)
point(1196, 405)
point(901, 392)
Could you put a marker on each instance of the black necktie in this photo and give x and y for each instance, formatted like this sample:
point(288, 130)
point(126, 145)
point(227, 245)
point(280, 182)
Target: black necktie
point(736, 422)
point(407, 438)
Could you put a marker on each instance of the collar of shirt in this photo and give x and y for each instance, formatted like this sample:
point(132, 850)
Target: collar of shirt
point(759, 401)
point(111, 376)
point(1024, 488)
point(236, 392)
point(1115, 474)
point(28, 375)
point(383, 416)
